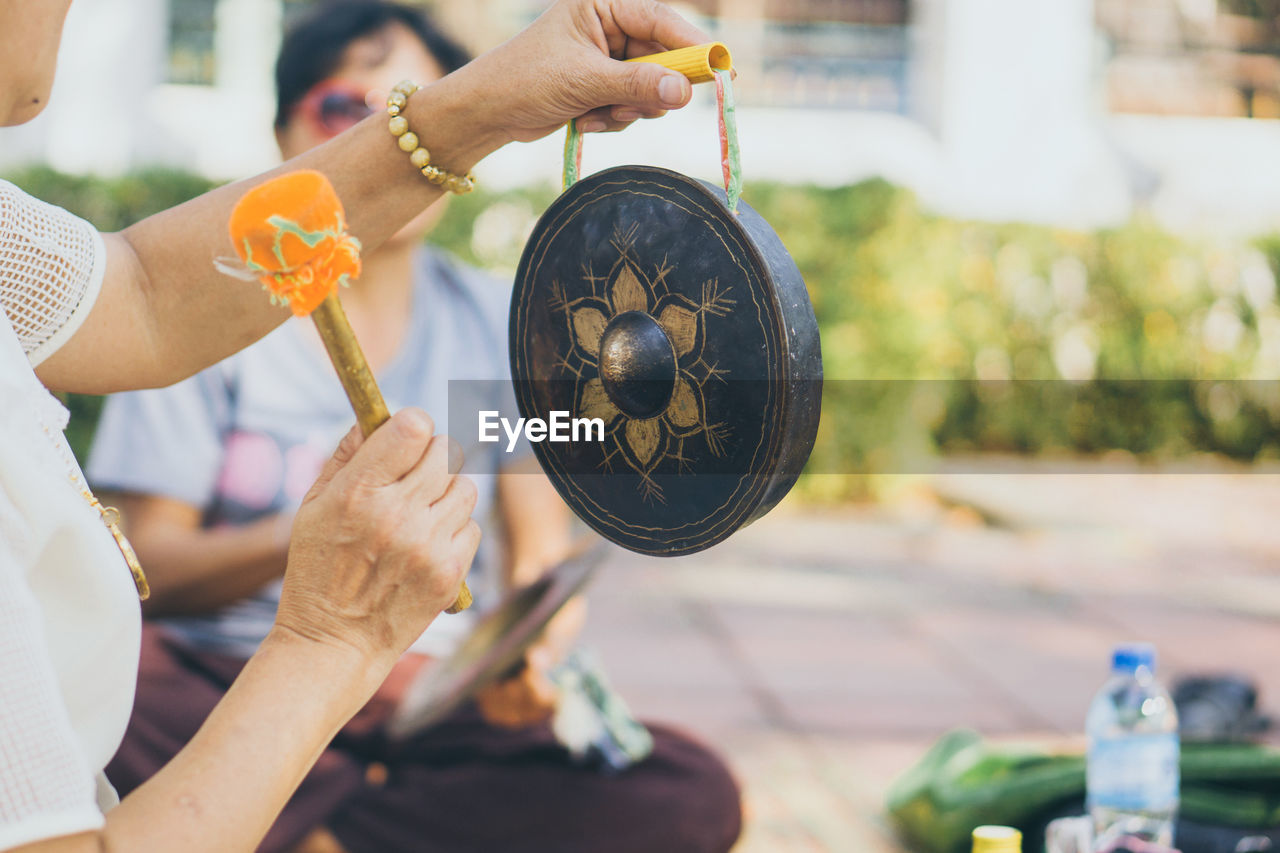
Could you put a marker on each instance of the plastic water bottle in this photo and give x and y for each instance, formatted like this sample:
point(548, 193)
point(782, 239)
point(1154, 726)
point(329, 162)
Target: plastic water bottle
point(1132, 775)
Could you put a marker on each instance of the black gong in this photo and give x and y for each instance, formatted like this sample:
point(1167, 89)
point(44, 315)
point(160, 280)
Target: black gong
point(683, 337)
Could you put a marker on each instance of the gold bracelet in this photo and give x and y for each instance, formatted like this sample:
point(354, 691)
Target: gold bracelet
point(408, 142)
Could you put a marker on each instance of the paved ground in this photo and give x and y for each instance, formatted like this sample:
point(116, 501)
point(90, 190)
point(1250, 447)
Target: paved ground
point(823, 652)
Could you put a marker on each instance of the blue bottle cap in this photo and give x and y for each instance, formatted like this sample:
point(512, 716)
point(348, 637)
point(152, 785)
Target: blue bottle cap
point(1131, 657)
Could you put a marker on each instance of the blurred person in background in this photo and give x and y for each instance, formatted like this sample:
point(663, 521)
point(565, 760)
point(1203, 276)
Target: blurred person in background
point(210, 472)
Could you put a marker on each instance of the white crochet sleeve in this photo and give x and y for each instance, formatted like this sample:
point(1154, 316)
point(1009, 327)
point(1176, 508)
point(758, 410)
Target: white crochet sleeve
point(51, 268)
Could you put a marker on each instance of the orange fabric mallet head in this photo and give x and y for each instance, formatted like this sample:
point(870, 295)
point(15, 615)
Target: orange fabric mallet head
point(291, 232)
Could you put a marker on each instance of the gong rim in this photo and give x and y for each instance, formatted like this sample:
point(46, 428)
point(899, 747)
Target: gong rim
point(788, 335)
point(804, 356)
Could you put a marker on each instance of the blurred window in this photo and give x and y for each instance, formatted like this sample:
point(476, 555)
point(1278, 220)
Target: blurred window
point(848, 11)
point(833, 65)
point(191, 38)
point(836, 54)
point(815, 54)
point(1192, 57)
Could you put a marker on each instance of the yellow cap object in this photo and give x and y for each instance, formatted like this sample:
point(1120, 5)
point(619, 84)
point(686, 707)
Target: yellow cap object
point(698, 63)
point(997, 839)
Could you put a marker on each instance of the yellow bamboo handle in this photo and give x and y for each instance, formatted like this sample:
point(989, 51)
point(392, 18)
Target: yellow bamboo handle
point(699, 63)
point(357, 380)
point(348, 359)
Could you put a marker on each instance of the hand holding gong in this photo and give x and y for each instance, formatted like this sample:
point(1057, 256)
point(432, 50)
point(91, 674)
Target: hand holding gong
point(670, 315)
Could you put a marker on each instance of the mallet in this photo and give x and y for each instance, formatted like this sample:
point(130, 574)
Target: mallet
point(291, 233)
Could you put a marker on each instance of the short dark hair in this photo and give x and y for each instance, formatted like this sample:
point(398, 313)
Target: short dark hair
point(313, 45)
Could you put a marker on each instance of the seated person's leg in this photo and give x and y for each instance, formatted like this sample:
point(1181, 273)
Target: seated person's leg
point(467, 786)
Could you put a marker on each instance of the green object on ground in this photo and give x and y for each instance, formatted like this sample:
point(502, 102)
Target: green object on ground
point(963, 782)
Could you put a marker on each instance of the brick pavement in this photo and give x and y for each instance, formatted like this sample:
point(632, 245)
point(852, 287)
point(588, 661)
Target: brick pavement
point(823, 651)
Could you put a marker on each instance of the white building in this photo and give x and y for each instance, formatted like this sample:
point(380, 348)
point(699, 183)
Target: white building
point(986, 108)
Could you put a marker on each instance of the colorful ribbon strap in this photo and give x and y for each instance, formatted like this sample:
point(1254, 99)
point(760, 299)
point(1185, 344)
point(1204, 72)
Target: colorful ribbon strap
point(730, 154)
point(572, 154)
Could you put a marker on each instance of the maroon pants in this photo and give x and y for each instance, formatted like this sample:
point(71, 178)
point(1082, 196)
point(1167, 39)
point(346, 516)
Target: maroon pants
point(461, 786)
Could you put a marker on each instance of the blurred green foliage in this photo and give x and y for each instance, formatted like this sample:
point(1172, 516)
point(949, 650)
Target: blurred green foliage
point(943, 336)
point(112, 203)
point(990, 321)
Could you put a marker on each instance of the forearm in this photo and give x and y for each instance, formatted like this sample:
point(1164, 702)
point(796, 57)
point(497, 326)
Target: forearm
point(165, 313)
point(226, 787)
point(193, 571)
point(380, 191)
point(223, 791)
point(183, 315)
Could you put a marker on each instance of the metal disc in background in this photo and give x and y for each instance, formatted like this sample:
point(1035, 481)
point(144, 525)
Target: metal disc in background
point(643, 302)
point(495, 646)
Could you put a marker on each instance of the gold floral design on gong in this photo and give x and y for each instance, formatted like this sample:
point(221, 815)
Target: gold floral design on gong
point(638, 357)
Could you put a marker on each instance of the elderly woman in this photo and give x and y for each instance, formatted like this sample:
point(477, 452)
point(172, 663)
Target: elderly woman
point(380, 543)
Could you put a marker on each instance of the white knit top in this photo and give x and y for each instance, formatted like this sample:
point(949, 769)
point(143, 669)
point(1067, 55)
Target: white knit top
point(69, 615)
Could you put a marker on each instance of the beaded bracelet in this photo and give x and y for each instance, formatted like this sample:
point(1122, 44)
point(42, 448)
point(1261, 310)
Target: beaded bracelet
point(408, 142)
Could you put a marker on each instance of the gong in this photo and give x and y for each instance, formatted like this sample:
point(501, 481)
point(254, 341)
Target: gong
point(674, 343)
point(496, 646)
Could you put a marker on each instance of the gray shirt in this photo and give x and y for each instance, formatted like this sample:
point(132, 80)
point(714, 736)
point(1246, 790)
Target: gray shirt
point(245, 438)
